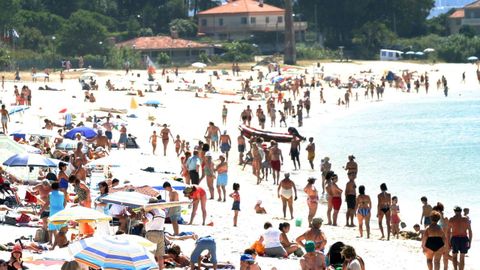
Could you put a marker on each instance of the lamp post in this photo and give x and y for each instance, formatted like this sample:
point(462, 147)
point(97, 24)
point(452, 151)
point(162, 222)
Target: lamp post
point(53, 52)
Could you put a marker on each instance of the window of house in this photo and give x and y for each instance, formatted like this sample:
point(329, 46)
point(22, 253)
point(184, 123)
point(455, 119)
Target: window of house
point(280, 19)
point(204, 22)
point(253, 20)
point(243, 20)
point(220, 21)
point(267, 19)
point(459, 22)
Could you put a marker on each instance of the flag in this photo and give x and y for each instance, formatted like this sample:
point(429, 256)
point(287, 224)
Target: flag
point(15, 34)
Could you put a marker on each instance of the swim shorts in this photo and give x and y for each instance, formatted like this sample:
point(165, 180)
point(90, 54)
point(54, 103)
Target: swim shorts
point(294, 153)
point(460, 244)
point(241, 148)
point(336, 202)
point(275, 165)
point(351, 201)
point(222, 179)
point(225, 147)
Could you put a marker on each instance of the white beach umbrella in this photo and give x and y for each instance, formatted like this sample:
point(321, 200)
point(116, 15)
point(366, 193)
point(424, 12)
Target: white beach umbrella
point(419, 53)
point(410, 53)
point(40, 75)
point(428, 50)
point(472, 58)
point(199, 65)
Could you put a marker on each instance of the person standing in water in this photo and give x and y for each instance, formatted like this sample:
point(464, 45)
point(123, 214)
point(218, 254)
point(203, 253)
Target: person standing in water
point(383, 209)
point(312, 200)
point(363, 209)
point(285, 191)
point(350, 198)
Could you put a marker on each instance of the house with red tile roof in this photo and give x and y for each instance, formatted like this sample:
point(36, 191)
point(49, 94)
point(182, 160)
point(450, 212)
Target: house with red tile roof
point(468, 15)
point(179, 50)
point(240, 19)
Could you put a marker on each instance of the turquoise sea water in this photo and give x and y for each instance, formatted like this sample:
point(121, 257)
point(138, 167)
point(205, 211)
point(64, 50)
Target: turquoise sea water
point(427, 147)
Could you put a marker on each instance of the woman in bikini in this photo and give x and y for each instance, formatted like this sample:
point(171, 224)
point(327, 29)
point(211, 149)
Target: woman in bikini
point(164, 134)
point(433, 242)
point(290, 247)
point(363, 210)
point(383, 209)
point(209, 173)
point(312, 200)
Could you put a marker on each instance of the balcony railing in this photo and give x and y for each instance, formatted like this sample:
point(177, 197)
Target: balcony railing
point(271, 27)
point(471, 21)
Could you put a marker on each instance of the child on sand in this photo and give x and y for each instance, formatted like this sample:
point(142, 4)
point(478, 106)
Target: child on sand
point(259, 209)
point(311, 151)
point(236, 202)
point(178, 145)
point(395, 210)
point(426, 211)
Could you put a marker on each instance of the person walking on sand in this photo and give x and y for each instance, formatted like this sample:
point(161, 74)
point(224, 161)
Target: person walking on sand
point(179, 146)
point(350, 198)
point(5, 119)
point(241, 143)
point(212, 135)
point(107, 126)
point(325, 167)
point(165, 138)
point(383, 209)
point(153, 140)
point(426, 212)
point(312, 199)
point(285, 191)
point(235, 195)
point(224, 114)
point(257, 161)
point(276, 161)
point(295, 152)
point(174, 213)
point(434, 242)
point(193, 166)
point(222, 178)
point(459, 233)
point(363, 209)
point(123, 138)
point(225, 143)
point(209, 173)
point(311, 151)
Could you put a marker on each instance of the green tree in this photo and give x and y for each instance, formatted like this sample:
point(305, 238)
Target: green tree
point(118, 56)
point(47, 23)
point(467, 30)
point(184, 27)
point(8, 8)
point(81, 35)
point(238, 51)
point(371, 37)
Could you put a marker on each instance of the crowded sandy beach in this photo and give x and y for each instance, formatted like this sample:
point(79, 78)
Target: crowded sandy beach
point(216, 168)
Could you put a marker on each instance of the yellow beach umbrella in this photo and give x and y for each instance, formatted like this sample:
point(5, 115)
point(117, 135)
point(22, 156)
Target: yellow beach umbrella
point(133, 104)
point(78, 214)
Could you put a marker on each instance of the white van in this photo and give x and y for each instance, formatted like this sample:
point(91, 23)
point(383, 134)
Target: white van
point(390, 55)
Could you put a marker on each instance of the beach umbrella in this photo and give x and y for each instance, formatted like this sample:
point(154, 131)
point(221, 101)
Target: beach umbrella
point(133, 104)
point(29, 160)
point(199, 65)
point(67, 144)
point(112, 252)
point(64, 110)
point(88, 75)
point(78, 214)
point(127, 198)
point(84, 131)
point(41, 75)
point(472, 58)
point(31, 149)
point(410, 53)
point(419, 53)
point(145, 190)
point(138, 240)
point(16, 109)
point(428, 50)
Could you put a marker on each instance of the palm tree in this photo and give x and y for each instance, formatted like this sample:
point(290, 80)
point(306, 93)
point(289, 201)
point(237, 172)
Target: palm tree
point(290, 55)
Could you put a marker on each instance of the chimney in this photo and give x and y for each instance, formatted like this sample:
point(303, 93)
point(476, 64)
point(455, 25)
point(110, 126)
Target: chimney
point(260, 3)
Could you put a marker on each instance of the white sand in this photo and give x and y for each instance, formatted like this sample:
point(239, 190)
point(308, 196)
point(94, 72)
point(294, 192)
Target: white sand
point(189, 117)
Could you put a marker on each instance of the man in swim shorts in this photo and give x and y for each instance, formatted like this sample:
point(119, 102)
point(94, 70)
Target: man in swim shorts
point(460, 241)
point(350, 197)
point(295, 151)
point(241, 147)
point(276, 160)
point(225, 143)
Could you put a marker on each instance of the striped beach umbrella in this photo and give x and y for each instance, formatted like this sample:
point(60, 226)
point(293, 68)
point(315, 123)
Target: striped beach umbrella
point(79, 214)
point(112, 252)
point(29, 160)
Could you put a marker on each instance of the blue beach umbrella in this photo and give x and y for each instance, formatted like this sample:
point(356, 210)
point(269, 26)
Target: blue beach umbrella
point(84, 131)
point(152, 102)
point(29, 160)
point(112, 252)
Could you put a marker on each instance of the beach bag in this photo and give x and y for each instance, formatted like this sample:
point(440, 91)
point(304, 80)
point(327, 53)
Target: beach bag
point(23, 219)
point(41, 236)
point(259, 248)
point(10, 220)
